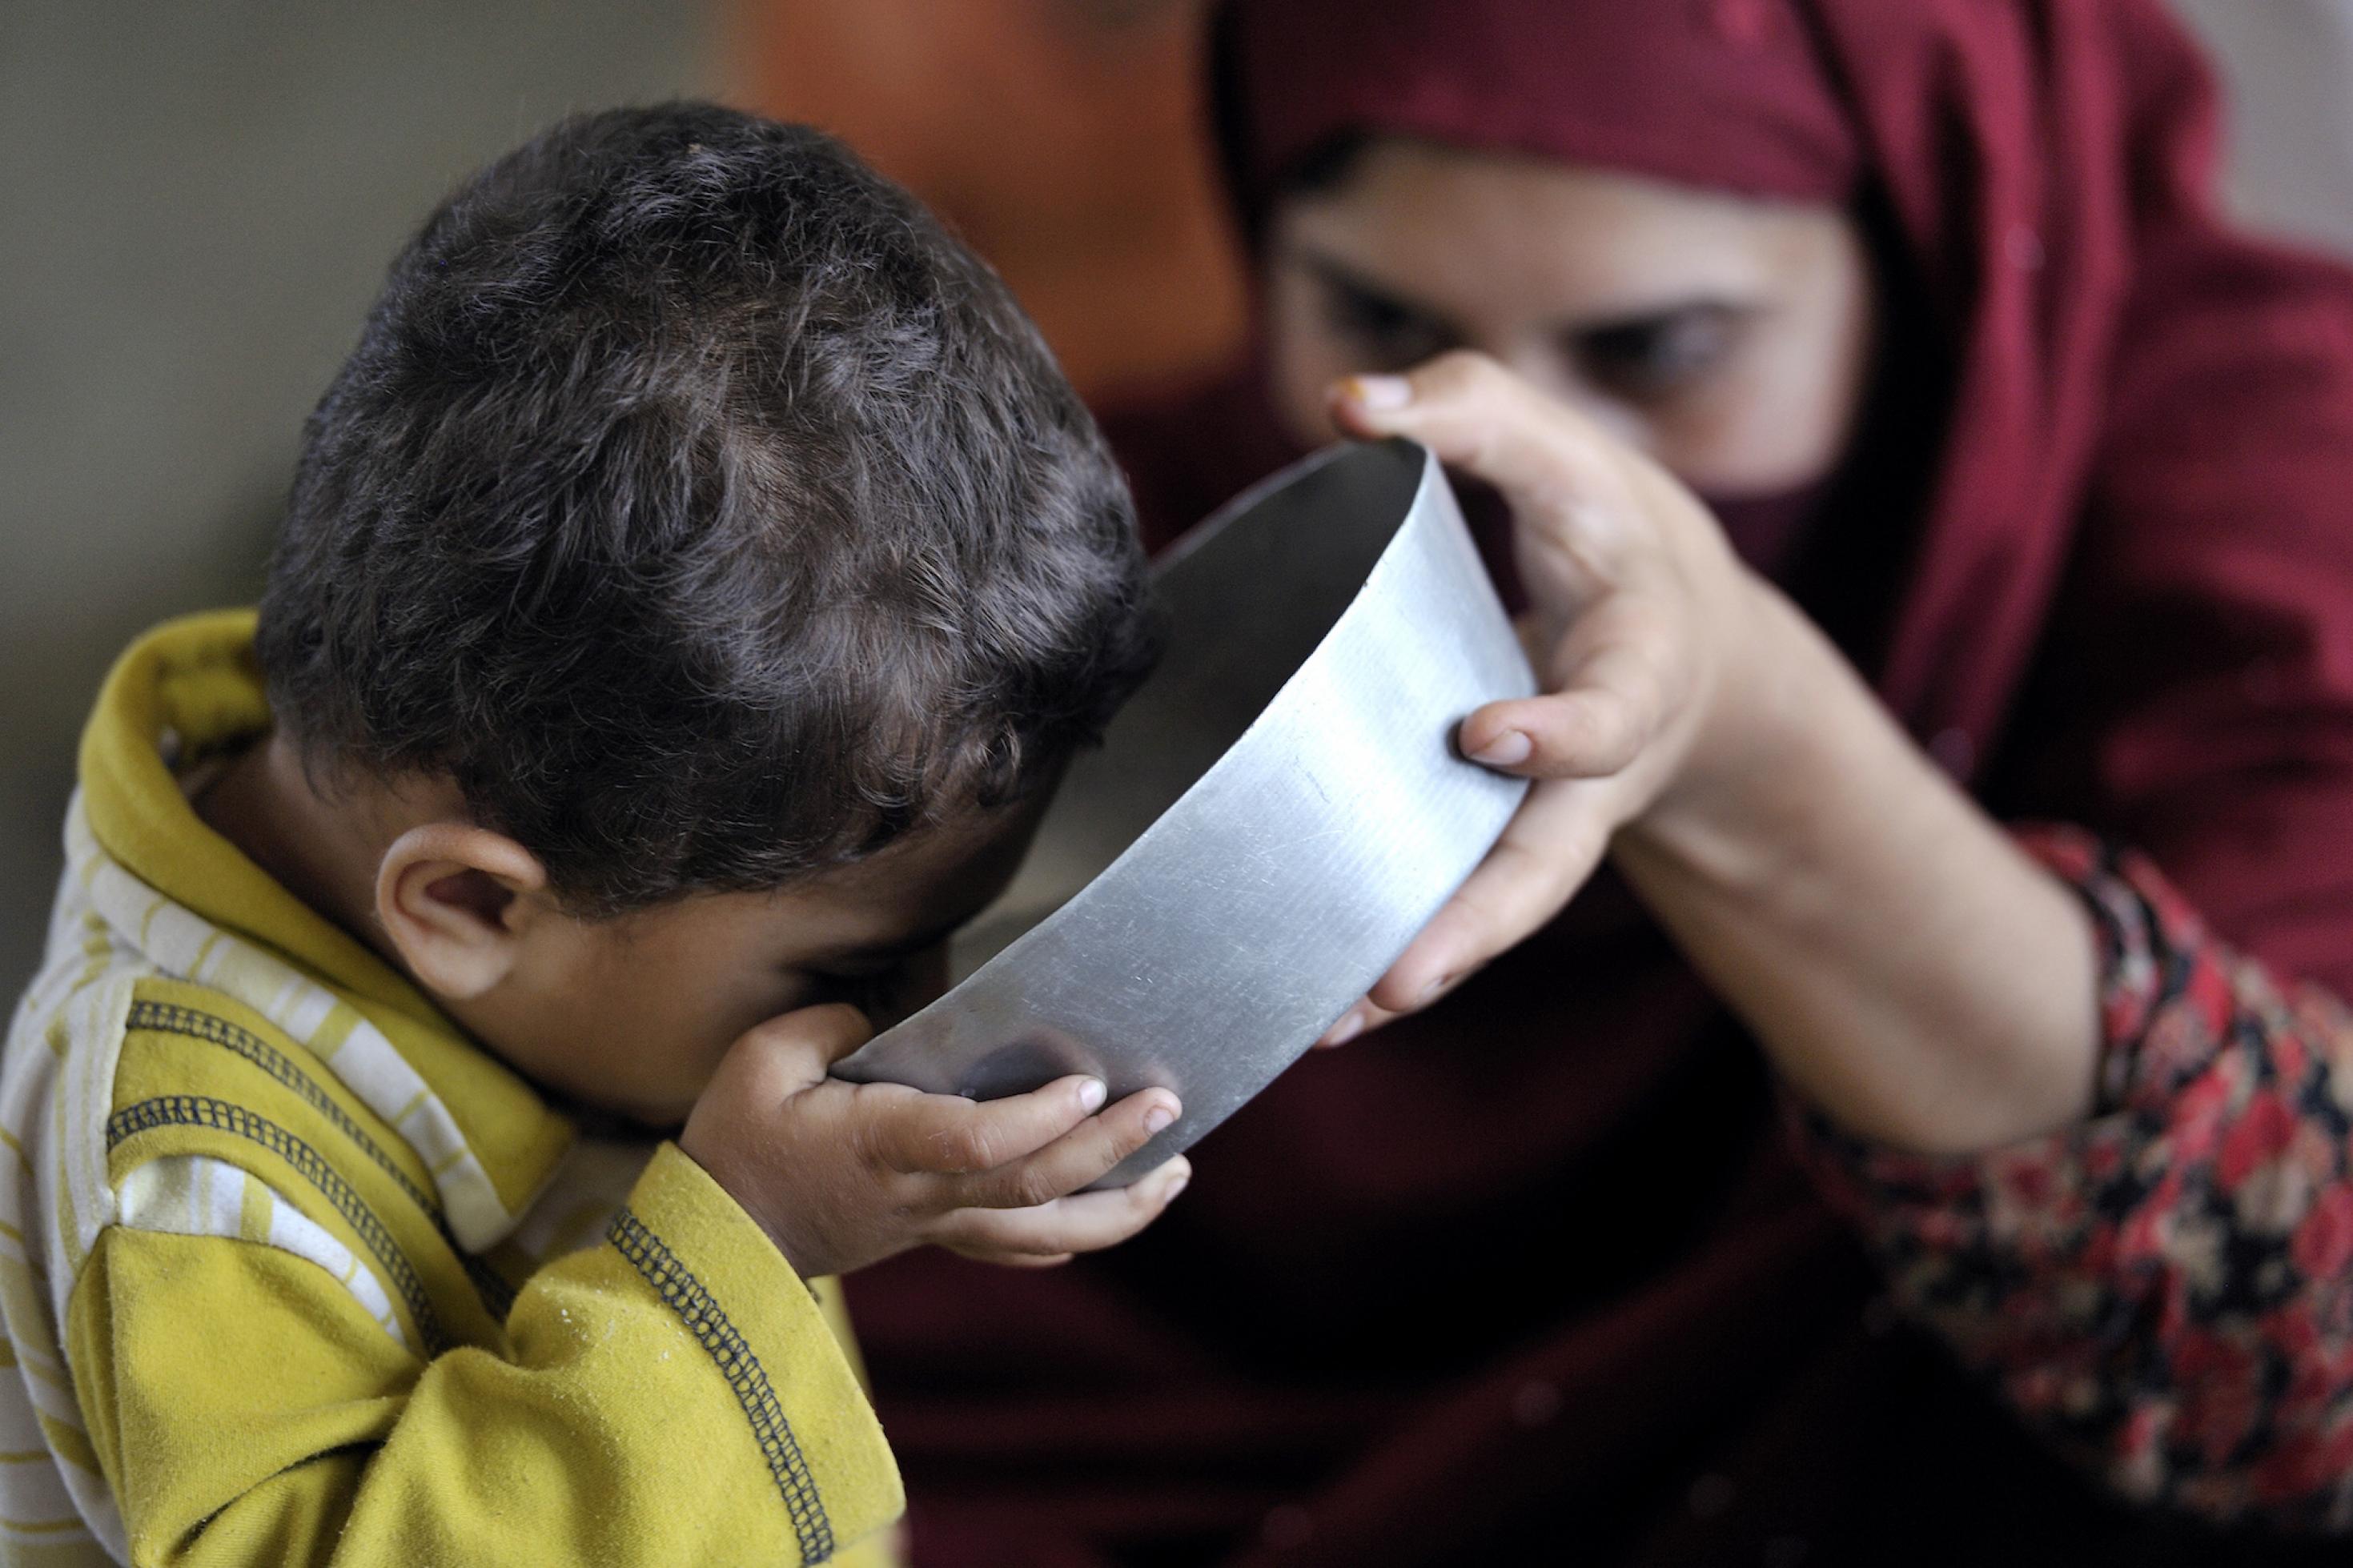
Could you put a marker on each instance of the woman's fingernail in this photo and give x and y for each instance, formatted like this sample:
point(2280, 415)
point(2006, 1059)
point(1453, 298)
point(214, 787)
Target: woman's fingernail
point(1429, 991)
point(1377, 392)
point(1091, 1095)
point(1176, 1186)
point(1346, 1029)
point(1507, 750)
point(1158, 1117)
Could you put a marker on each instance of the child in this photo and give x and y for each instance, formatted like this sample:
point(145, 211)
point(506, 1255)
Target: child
point(689, 590)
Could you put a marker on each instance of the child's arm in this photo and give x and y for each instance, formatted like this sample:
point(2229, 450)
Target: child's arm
point(671, 1395)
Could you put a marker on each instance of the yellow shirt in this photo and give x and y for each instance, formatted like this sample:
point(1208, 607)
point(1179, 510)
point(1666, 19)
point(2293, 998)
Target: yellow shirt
point(291, 1272)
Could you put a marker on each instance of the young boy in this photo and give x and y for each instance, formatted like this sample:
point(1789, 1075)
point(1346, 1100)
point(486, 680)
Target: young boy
point(690, 588)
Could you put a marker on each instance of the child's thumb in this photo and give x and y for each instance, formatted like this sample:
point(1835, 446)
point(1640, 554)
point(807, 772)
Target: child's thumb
point(792, 1050)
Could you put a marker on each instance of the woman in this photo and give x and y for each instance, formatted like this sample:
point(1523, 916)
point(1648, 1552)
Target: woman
point(1929, 301)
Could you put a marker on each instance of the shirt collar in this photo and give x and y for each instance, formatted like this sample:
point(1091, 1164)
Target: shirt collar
point(192, 688)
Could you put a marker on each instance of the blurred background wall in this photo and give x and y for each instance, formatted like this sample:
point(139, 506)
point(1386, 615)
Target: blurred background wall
point(196, 203)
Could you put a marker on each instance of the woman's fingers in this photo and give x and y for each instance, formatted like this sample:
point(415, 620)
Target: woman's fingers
point(1649, 606)
point(1081, 1155)
point(1617, 682)
point(1481, 419)
point(1545, 855)
point(1053, 1231)
point(1362, 1018)
point(946, 1134)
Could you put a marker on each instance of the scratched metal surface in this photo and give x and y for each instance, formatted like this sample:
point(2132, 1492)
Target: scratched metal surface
point(1267, 824)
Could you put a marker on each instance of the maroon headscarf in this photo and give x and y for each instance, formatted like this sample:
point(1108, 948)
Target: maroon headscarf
point(1528, 1274)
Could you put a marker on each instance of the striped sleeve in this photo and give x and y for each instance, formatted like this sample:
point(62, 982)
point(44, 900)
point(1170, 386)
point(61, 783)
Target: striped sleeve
point(562, 1445)
point(194, 1194)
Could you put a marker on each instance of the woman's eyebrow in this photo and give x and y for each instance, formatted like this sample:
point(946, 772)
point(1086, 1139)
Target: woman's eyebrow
point(1615, 316)
point(1715, 305)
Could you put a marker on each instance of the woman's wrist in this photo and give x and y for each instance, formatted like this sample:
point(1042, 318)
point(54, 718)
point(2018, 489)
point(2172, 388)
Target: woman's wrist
point(1907, 968)
point(1787, 722)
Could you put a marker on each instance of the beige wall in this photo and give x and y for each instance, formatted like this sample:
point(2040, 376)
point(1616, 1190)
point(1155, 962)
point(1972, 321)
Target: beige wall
point(195, 204)
point(2289, 64)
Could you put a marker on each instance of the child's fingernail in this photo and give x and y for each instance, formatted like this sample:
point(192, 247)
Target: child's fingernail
point(1346, 1029)
point(1507, 750)
point(1158, 1117)
point(1091, 1095)
point(1377, 392)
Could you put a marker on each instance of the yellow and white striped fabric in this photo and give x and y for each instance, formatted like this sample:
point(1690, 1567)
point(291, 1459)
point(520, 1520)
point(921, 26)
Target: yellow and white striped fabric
point(194, 1194)
point(254, 1184)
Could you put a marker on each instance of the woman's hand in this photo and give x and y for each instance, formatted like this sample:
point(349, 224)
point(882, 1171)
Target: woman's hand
point(1647, 626)
point(1902, 963)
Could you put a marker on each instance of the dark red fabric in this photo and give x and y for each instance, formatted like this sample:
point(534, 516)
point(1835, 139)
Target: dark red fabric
point(1532, 1274)
point(1725, 94)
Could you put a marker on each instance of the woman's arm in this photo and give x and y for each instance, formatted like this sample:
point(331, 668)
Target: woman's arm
point(2163, 1287)
point(2102, 1155)
point(1909, 969)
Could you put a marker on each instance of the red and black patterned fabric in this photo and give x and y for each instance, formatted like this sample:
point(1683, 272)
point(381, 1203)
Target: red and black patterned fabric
point(2163, 1290)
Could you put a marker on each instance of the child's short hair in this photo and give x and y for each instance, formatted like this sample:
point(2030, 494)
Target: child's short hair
point(706, 511)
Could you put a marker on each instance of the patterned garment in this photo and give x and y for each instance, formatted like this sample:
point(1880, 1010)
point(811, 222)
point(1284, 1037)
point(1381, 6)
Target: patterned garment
point(2165, 1290)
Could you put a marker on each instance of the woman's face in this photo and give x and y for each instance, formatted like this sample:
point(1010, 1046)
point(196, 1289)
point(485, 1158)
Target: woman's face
point(1728, 338)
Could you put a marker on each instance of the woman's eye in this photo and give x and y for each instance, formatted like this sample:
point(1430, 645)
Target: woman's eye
point(1656, 356)
point(1395, 332)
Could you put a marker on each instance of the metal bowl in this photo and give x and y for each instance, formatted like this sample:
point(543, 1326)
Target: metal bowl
point(1268, 823)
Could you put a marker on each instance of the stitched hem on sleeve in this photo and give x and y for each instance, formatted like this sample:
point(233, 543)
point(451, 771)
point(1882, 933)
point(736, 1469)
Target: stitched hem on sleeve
point(726, 1346)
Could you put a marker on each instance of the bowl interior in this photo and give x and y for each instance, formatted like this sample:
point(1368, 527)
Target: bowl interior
point(1244, 600)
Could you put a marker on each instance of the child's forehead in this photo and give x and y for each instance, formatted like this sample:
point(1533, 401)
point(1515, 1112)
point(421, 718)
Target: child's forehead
point(892, 904)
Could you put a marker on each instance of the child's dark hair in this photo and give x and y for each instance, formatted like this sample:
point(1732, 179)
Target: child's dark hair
point(704, 511)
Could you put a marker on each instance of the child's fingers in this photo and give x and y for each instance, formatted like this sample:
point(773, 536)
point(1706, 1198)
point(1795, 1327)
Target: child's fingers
point(1051, 1231)
point(1080, 1156)
point(1596, 725)
point(946, 1134)
point(1012, 1259)
point(1479, 418)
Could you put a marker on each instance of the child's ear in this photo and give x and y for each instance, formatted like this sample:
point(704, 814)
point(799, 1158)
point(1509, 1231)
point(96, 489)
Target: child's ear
point(454, 900)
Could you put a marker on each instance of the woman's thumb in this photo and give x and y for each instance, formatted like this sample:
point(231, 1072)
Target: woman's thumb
point(1479, 418)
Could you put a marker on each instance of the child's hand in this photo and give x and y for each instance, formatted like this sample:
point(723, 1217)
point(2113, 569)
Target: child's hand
point(1653, 628)
point(844, 1175)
